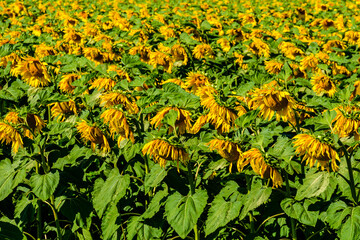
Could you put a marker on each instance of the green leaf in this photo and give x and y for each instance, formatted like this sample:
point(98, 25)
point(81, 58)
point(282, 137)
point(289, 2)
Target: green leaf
point(336, 213)
point(111, 223)
point(155, 204)
point(44, 185)
point(182, 212)
point(314, 184)
point(351, 228)
point(6, 178)
point(111, 191)
point(224, 208)
point(143, 231)
point(9, 231)
point(170, 118)
point(245, 120)
point(156, 175)
point(300, 212)
point(257, 196)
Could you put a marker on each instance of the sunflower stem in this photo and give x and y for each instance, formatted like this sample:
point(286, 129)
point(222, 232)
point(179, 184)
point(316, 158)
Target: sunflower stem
point(57, 223)
point(292, 221)
point(251, 217)
point(38, 214)
point(350, 171)
point(192, 192)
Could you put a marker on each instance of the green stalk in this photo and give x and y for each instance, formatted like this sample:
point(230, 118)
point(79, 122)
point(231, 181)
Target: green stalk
point(57, 223)
point(350, 171)
point(38, 214)
point(251, 217)
point(192, 192)
point(292, 221)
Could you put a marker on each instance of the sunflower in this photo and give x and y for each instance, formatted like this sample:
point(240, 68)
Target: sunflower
point(176, 81)
point(35, 123)
point(179, 55)
point(13, 117)
point(94, 135)
point(272, 101)
point(8, 134)
point(43, 50)
point(347, 121)
point(167, 32)
point(12, 57)
point(309, 62)
point(66, 81)
point(290, 50)
point(143, 51)
point(315, 150)
point(95, 55)
point(201, 121)
point(118, 124)
point(259, 165)
point(228, 150)
point(323, 84)
point(196, 80)
point(59, 109)
point(222, 117)
point(161, 59)
point(202, 51)
point(240, 60)
point(224, 43)
point(330, 45)
point(102, 83)
point(73, 37)
point(33, 72)
point(258, 47)
point(183, 120)
point(356, 91)
point(273, 67)
point(115, 98)
point(162, 151)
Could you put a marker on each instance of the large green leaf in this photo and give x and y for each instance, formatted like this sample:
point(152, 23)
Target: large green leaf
point(111, 191)
point(137, 227)
point(224, 208)
point(44, 185)
point(336, 213)
point(155, 204)
point(10, 177)
point(257, 196)
point(9, 231)
point(300, 211)
point(182, 212)
point(314, 184)
point(155, 176)
point(111, 223)
point(351, 228)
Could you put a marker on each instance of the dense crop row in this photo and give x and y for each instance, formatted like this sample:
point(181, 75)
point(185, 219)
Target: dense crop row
point(193, 119)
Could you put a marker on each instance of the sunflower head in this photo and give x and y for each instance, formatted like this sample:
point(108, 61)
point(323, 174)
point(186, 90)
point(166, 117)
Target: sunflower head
point(10, 135)
point(316, 150)
point(94, 135)
point(322, 84)
point(33, 72)
point(162, 151)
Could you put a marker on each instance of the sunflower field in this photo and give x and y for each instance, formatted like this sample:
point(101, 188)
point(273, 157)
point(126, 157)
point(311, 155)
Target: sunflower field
point(207, 119)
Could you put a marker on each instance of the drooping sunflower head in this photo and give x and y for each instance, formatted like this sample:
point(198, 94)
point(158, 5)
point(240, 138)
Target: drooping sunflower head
point(115, 98)
point(66, 81)
point(10, 135)
point(183, 120)
point(202, 51)
point(315, 151)
point(118, 123)
point(60, 109)
point(273, 67)
point(196, 80)
point(257, 161)
point(322, 84)
point(347, 121)
point(162, 151)
point(226, 149)
point(272, 101)
point(179, 54)
point(33, 72)
point(258, 47)
point(94, 135)
point(103, 83)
